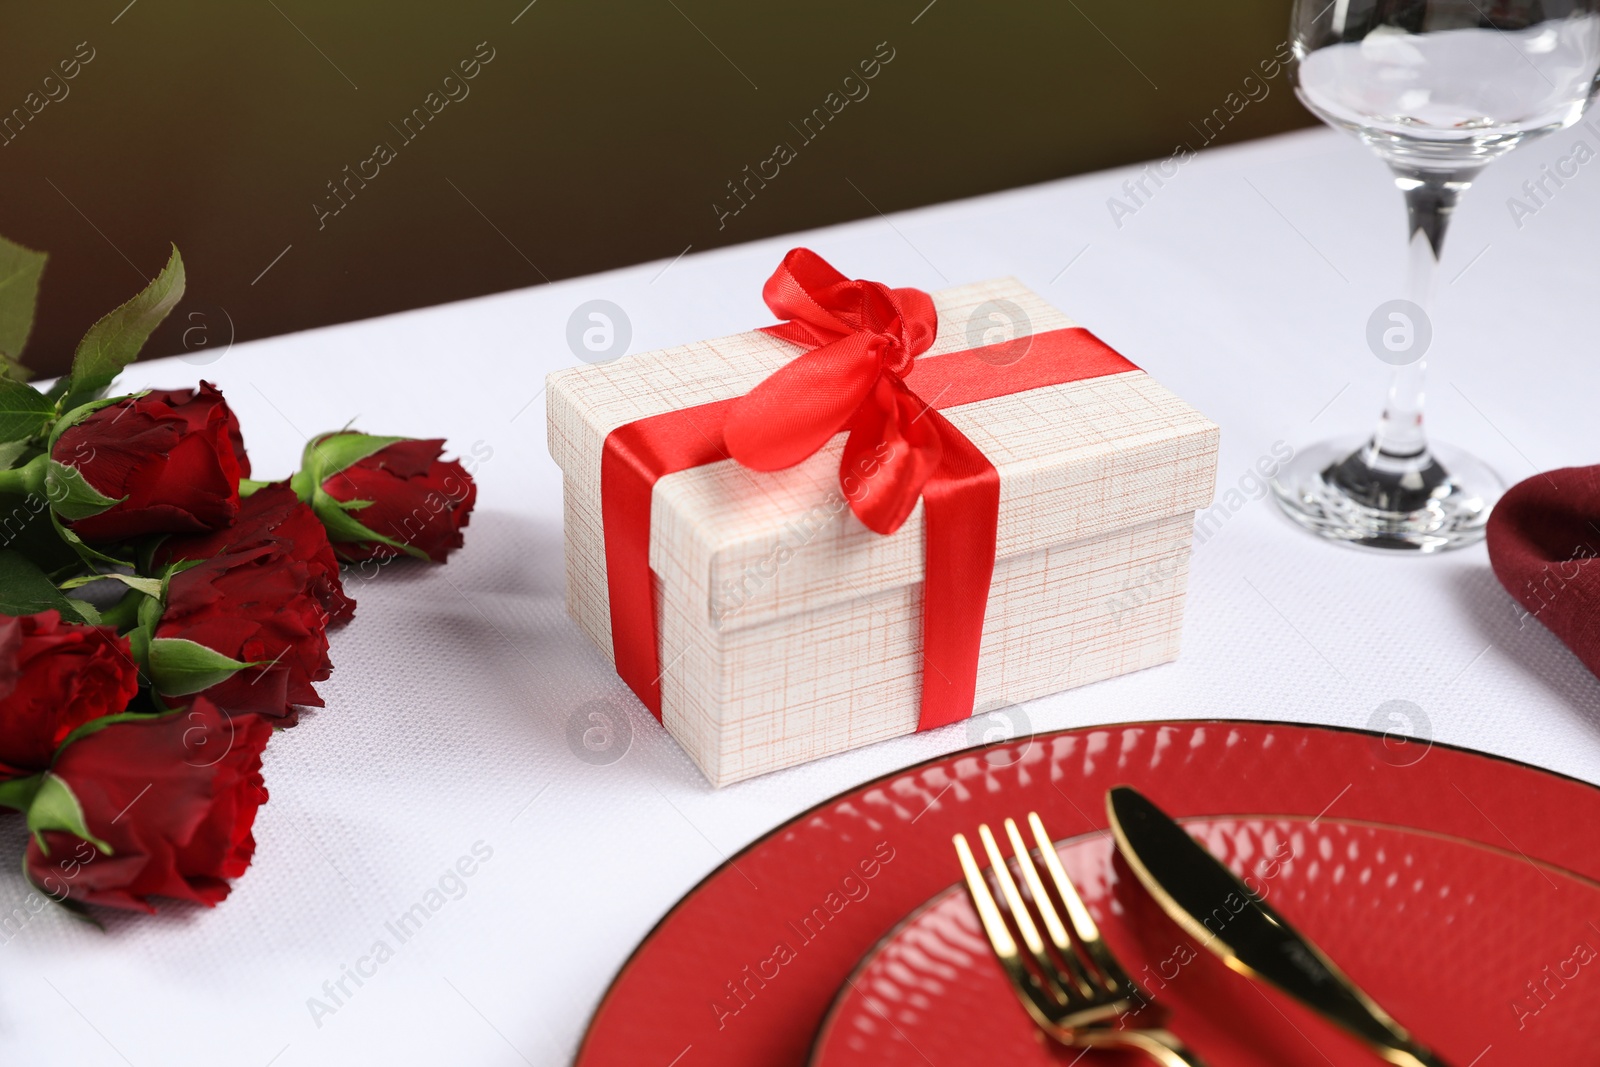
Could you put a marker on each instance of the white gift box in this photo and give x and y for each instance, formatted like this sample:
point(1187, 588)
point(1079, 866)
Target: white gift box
point(789, 631)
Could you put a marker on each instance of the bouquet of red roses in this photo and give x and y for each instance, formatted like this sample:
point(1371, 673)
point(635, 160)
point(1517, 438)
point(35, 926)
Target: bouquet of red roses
point(161, 612)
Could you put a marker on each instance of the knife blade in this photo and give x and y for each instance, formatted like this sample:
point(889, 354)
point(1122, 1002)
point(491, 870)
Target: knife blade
point(1219, 911)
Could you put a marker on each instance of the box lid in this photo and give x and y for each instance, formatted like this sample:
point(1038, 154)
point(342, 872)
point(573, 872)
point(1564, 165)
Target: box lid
point(1075, 460)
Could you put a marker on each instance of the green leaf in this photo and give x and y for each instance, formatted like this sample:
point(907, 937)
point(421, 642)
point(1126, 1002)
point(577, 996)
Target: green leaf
point(329, 454)
point(55, 807)
point(179, 667)
point(25, 589)
point(94, 726)
point(10, 452)
point(85, 552)
point(18, 793)
point(148, 586)
point(342, 450)
point(248, 487)
point(114, 341)
point(19, 292)
point(342, 527)
point(89, 613)
point(71, 495)
point(24, 411)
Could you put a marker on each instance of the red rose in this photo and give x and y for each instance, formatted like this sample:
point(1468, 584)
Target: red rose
point(274, 516)
point(255, 604)
point(200, 399)
point(174, 797)
point(176, 456)
point(54, 677)
point(416, 498)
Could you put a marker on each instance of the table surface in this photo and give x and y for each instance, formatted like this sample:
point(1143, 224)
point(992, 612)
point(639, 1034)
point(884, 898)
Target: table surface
point(1244, 284)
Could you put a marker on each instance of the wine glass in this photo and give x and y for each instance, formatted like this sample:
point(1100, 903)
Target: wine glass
point(1439, 89)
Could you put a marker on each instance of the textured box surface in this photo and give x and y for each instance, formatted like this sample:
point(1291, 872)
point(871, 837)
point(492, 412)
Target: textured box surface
point(789, 631)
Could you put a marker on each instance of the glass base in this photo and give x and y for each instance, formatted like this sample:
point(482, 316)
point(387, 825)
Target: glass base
point(1341, 491)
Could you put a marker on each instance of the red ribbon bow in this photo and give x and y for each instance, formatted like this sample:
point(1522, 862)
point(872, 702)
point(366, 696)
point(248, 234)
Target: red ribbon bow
point(861, 375)
point(864, 339)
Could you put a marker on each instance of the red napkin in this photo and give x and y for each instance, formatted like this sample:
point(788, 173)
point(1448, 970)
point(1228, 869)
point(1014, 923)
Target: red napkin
point(1544, 545)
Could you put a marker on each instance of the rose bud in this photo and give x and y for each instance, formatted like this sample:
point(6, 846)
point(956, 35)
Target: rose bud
point(171, 460)
point(416, 500)
point(201, 398)
point(247, 630)
point(273, 515)
point(54, 677)
point(167, 804)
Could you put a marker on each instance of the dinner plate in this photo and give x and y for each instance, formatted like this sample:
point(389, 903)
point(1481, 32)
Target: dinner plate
point(746, 966)
point(1444, 933)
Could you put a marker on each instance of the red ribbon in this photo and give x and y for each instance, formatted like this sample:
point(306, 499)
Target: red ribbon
point(861, 375)
point(864, 339)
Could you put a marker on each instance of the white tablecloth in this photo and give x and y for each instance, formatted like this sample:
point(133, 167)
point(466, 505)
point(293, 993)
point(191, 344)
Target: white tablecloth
point(1244, 284)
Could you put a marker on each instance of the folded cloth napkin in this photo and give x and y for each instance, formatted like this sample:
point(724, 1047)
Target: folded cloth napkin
point(1544, 545)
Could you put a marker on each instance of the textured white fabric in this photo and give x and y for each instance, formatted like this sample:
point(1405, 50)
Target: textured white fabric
point(1244, 285)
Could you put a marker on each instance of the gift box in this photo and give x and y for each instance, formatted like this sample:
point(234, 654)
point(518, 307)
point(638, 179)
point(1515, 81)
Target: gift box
point(1030, 495)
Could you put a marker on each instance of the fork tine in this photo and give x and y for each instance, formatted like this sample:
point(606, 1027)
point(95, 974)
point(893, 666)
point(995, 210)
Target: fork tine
point(1029, 990)
point(1112, 976)
point(994, 924)
point(1075, 972)
point(1008, 890)
point(1047, 970)
point(1053, 987)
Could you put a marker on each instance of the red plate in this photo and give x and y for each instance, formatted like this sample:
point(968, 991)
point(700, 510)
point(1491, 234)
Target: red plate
point(744, 968)
point(1441, 931)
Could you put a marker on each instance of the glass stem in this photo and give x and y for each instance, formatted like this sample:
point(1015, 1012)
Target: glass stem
point(1430, 199)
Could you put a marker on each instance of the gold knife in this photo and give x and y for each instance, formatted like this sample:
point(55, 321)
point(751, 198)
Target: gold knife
point(1194, 888)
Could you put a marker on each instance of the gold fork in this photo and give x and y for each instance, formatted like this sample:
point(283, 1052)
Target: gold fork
point(1078, 993)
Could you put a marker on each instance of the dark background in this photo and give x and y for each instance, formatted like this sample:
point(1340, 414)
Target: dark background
point(600, 134)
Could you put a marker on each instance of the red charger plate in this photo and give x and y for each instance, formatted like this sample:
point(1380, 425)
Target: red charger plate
point(745, 967)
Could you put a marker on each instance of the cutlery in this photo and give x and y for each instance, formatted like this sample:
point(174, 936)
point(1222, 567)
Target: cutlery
point(1215, 908)
point(1072, 986)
